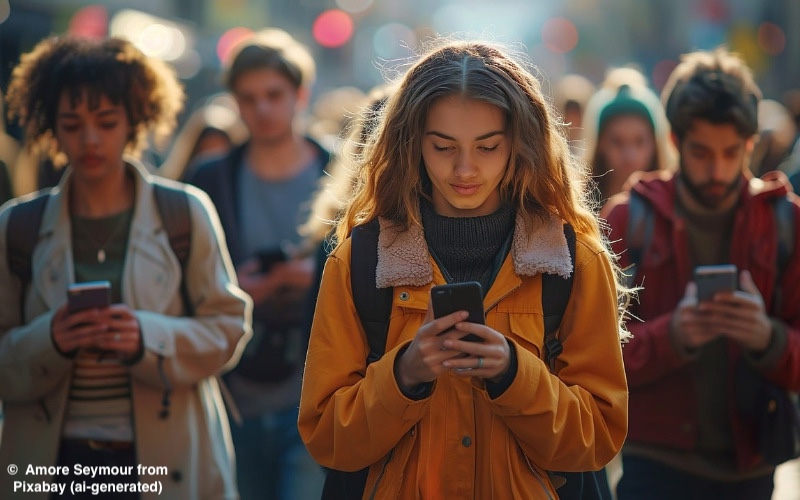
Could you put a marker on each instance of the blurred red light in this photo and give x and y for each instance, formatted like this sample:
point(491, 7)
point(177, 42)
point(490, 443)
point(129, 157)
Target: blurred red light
point(559, 35)
point(333, 28)
point(90, 22)
point(229, 39)
point(771, 38)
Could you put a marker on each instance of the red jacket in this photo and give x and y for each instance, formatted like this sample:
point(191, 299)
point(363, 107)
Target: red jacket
point(661, 408)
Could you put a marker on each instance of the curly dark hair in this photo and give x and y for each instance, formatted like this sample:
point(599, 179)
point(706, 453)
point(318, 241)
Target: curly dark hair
point(113, 67)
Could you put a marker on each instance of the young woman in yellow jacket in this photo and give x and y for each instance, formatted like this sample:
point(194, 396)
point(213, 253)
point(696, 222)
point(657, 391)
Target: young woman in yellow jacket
point(468, 162)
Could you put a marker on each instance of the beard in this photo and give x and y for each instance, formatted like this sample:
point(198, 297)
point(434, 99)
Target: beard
point(710, 194)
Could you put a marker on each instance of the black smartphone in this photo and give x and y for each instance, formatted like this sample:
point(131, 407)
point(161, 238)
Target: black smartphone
point(466, 296)
point(270, 257)
point(711, 280)
point(88, 295)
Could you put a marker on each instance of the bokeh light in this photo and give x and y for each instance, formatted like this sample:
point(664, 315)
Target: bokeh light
point(771, 38)
point(162, 42)
point(391, 41)
point(90, 21)
point(559, 35)
point(229, 39)
point(189, 65)
point(333, 28)
point(155, 36)
point(354, 6)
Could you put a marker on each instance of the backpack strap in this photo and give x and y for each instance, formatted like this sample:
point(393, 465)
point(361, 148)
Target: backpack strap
point(22, 234)
point(783, 211)
point(173, 206)
point(373, 304)
point(641, 225)
point(555, 296)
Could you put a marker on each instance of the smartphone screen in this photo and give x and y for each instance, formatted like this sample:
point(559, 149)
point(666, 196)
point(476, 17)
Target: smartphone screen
point(711, 280)
point(88, 295)
point(452, 297)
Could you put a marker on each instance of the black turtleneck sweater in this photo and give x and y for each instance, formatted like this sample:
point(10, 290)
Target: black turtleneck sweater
point(467, 248)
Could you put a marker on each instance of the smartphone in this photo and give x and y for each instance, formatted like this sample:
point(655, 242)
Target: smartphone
point(270, 257)
point(452, 297)
point(711, 280)
point(88, 295)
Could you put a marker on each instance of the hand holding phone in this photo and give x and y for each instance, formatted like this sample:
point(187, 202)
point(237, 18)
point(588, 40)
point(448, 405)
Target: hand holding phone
point(711, 280)
point(452, 297)
point(78, 324)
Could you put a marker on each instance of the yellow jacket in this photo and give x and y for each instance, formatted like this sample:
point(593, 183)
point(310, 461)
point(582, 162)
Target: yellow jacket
point(458, 442)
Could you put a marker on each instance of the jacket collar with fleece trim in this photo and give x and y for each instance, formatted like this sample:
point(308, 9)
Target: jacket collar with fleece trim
point(404, 259)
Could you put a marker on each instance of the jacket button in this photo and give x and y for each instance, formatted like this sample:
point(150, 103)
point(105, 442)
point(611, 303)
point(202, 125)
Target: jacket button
point(404, 296)
point(177, 476)
point(466, 441)
point(687, 427)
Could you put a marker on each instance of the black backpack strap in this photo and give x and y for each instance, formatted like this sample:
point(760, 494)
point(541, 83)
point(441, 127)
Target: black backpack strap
point(555, 296)
point(173, 206)
point(639, 233)
point(22, 234)
point(783, 211)
point(588, 485)
point(373, 304)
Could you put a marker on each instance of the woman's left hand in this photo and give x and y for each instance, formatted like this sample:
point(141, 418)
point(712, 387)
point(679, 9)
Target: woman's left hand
point(489, 358)
point(124, 335)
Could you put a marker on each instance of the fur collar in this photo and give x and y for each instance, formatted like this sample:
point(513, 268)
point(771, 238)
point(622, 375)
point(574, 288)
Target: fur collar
point(403, 258)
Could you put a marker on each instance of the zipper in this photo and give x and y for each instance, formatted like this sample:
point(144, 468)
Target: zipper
point(537, 476)
point(380, 476)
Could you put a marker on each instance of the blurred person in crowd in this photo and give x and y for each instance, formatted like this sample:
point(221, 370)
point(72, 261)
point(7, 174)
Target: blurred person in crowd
point(467, 155)
point(261, 190)
point(570, 95)
point(332, 113)
point(132, 382)
point(695, 366)
point(625, 131)
point(212, 130)
point(776, 138)
point(336, 188)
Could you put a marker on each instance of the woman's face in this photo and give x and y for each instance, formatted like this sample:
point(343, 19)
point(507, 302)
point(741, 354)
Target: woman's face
point(465, 149)
point(627, 145)
point(93, 140)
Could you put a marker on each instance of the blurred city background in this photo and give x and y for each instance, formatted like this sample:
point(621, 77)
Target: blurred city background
point(356, 41)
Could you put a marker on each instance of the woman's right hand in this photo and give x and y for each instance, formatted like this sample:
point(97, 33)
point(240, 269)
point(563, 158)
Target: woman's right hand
point(71, 332)
point(422, 360)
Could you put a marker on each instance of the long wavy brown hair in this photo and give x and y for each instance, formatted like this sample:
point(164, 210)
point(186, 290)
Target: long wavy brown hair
point(541, 177)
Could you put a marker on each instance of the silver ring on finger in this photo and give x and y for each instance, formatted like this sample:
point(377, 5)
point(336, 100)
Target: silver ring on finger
point(117, 337)
point(480, 363)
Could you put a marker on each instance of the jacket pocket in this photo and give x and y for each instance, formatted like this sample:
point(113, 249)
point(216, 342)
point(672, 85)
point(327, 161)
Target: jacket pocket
point(527, 329)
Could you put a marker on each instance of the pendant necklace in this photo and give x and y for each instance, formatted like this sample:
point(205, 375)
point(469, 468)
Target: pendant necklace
point(101, 252)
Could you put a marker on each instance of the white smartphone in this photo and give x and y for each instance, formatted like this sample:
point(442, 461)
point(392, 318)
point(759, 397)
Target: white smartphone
point(711, 280)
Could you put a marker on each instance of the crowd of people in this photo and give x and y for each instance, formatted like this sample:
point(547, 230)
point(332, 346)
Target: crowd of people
point(230, 344)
